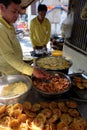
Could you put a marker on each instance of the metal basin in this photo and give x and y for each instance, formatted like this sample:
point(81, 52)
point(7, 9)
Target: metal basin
point(6, 80)
point(51, 94)
point(52, 63)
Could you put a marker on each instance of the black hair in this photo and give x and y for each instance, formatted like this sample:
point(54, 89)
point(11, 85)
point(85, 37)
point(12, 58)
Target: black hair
point(42, 7)
point(24, 7)
point(8, 2)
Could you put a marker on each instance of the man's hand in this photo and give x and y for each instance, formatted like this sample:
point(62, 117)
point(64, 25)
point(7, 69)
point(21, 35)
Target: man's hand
point(41, 74)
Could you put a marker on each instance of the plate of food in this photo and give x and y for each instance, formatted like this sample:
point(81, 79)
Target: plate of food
point(53, 63)
point(57, 84)
point(14, 88)
point(59, 115)
point(79, 84)
point(28, 59)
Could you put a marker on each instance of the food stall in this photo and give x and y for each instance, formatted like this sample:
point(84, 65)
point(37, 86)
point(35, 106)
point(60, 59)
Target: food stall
point(58, 102)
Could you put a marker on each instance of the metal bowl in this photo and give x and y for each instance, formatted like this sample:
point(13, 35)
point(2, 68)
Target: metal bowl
point(53, 94)
point(54, 63)
point(6, 80)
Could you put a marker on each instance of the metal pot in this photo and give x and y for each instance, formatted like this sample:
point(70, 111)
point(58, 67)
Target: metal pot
point(52, 63)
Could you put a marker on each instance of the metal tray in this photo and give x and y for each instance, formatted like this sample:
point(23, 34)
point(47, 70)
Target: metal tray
point(35, 97)
point(81, 93)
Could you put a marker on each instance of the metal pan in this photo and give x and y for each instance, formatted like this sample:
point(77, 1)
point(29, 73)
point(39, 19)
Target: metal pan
point(81, 93)
point(53, 63)
point(52, 94)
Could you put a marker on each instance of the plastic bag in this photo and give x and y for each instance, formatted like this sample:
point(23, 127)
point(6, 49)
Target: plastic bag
point(66, 27)
point(84, 12)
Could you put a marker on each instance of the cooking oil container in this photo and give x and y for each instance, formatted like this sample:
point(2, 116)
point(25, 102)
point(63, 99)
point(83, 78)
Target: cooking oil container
point(57, 53)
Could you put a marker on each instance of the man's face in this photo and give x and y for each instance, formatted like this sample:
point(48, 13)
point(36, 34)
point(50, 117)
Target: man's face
point(10, 13)
point(41, 15)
